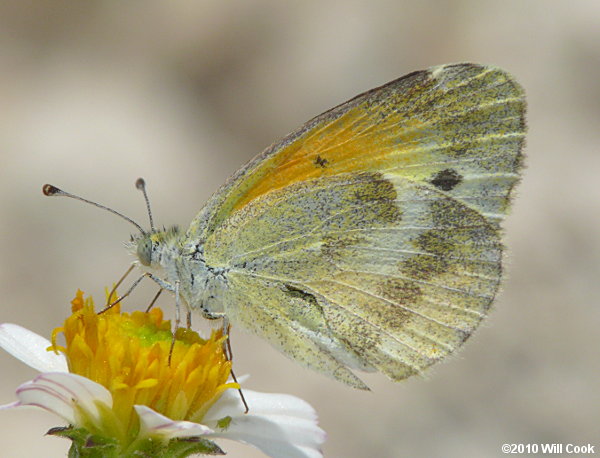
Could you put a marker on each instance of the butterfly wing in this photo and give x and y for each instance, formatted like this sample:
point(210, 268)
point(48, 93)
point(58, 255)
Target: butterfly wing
point(369, 238)
point(366, 270)
point(458, 127)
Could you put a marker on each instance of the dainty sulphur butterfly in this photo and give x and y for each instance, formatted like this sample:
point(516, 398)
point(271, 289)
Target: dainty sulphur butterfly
point(370, 237)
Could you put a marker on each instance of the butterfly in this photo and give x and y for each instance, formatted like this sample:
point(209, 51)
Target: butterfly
point(369, 238)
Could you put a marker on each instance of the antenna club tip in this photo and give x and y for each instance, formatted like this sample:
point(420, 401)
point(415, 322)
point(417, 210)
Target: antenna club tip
point(50, 190)
point(140, 183)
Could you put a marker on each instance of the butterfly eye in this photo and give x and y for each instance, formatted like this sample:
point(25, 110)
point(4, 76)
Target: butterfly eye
point(144, 251)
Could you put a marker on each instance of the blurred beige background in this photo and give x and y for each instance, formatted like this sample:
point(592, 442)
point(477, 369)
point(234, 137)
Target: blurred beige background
point(94, 94)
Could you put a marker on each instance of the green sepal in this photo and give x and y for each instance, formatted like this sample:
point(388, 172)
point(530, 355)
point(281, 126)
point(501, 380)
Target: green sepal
point(88, 445)
point(181, 447)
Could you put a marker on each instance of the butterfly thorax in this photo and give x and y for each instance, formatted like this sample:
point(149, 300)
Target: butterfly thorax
point(176, 263)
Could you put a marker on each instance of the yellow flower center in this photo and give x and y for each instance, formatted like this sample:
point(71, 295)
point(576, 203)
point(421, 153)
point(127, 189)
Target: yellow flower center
point(129, 355)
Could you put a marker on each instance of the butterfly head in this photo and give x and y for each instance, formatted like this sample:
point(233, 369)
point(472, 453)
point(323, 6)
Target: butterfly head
point(151, 247)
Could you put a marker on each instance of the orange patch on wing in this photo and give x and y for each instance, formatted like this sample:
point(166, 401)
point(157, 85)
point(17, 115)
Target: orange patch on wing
point(365, 138)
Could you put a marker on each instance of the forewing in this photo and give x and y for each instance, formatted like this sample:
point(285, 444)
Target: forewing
point(458, 128)
point(364, 270)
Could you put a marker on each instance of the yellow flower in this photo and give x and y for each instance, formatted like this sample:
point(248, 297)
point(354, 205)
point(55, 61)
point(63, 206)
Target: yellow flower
point(129, 355)
point(114, 383)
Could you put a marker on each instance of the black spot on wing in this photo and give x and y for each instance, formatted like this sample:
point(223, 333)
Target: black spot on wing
point(298, 293)
point(321, 162)
point(446, 180)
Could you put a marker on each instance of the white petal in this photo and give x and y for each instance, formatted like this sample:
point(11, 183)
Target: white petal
point(32, 394)
point(153, 423)
point(60, 392)
point(10, 406)
point(30, 348)
point(230, 403)
point(280, 425)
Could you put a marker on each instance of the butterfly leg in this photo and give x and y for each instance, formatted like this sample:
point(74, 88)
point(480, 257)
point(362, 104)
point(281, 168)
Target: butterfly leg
point(227, 346)
point(174, 289)
point(154, 300)
point(229, 354)
point(127, 293)
point(177, 319)
point(160, 282)
point(225, 327)
point(114, 289)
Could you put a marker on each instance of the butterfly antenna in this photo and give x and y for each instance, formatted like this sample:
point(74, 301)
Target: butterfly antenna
point(141, 185)
point(50, 190)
